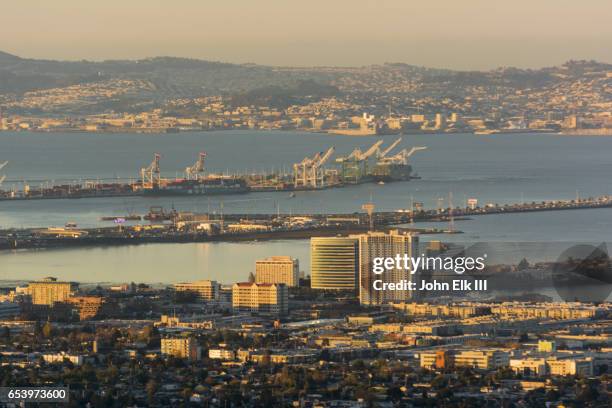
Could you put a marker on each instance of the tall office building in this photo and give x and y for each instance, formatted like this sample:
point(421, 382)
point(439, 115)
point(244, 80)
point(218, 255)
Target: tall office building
point(334, 263)
point(49, 291)
point(205, 290)
point(265, 298)
point(278, 269)
point(386, 245)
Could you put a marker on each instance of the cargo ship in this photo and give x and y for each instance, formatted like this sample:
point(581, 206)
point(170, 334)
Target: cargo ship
point(206, 186)
point(395, 168)
point(391, 172)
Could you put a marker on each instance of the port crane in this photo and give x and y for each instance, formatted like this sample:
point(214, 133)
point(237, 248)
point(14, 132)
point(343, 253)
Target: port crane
point(381, 154)
point(358, 155)
point(193, 172)
point(309, 172)
point(150, 176)
point(355, 165)
point(401, 157)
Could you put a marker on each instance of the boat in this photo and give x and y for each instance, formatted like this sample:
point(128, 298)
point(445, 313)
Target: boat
point(386, 172)
point(207, 186)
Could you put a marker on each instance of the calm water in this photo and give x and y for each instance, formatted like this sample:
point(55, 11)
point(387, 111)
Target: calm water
point(498, 168)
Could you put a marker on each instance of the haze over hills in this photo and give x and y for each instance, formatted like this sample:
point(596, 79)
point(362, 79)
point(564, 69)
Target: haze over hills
point(131, 85)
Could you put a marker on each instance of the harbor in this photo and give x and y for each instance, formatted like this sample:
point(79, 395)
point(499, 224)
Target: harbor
point(376, 164)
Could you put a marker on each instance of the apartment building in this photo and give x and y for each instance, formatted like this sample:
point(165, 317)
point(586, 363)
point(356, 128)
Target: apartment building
point(181, 347)
point(278, 269)
point(205, 290)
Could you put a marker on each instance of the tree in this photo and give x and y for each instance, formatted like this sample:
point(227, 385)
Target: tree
point(6, 333)
point(251, 277)
point(37, 329)
point(394, 393)
point(522, 265)
point(151, 389)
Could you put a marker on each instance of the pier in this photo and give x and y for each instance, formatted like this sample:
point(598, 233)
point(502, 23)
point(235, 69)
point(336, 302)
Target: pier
point(175, 227)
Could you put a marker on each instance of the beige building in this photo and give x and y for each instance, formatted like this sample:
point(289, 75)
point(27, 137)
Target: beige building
point(583, 367)
point(453, 310)
point(180, 347)
point(547, 310)
point(278, 269)
point(529, 366)
point(480, 359)
point(49, 290)
point(266, 298)
point(206, 290)
point(221, 354)
point(384, 245)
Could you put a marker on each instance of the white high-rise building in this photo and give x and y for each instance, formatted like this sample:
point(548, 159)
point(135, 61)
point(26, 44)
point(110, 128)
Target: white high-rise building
point(386, 245)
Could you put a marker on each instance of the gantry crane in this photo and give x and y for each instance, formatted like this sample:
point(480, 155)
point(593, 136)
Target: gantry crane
point(358, 155)
point(193, 172)
point(150, 176)
point(309, 172)
point(355, 165)
point(381, 154)
point(401, 157)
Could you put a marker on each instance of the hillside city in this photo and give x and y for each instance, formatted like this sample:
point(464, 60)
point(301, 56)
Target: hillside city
point(172, 95)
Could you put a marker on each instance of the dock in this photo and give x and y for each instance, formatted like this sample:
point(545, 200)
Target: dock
point(177, 227)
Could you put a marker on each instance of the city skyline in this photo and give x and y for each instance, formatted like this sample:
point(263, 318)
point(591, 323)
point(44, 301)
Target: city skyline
point(467, 36)
point(341, 204)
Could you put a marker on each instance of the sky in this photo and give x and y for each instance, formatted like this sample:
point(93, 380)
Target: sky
point(458, 34)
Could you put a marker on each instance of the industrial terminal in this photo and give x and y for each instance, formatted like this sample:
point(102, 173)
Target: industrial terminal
point(376, 164)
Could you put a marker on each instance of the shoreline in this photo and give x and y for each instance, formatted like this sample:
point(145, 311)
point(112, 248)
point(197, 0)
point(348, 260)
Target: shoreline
point(330, 132)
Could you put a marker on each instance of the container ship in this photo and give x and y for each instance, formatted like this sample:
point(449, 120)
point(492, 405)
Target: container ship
point(392, 172)
point(205, 186)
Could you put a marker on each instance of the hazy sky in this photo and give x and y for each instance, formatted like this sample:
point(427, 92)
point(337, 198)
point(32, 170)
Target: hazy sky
point(464, 34)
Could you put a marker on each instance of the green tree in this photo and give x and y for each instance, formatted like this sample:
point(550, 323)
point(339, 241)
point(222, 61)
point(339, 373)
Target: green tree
point(151, 389)
point(6, 333)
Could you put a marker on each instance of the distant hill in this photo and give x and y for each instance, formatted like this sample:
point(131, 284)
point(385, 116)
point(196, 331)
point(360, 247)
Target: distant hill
point(169, 77)
point(172, 76)
point(279, 97)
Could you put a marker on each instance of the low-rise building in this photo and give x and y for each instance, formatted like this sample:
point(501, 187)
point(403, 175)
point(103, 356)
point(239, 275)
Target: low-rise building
point(481, 359)
point(571, 366)
point(221, 354)
point(204, 290)
point(54, 358)
point(529, 366)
